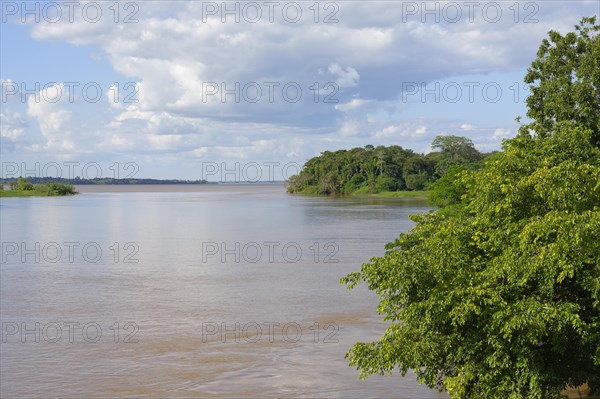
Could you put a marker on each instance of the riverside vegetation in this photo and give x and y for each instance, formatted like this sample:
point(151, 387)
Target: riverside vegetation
point(22, 188)
point(496, 294)
point(384, 170)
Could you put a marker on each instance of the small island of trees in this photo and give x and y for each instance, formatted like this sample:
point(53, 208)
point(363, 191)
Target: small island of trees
point(23, 188)
point(372, 170)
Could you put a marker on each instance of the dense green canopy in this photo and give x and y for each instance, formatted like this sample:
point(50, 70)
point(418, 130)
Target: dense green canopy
point(497, 294)
point(376, 169)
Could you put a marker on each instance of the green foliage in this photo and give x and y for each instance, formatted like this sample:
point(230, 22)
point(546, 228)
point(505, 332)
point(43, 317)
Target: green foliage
point(565, 79)
point(59, 189)
point(497, 295)
point(385, 183)
point(22, 188)
point(449, 189)
point(379, 169)
point(455, 151)
point(369, 169)
point(21, 185)
point(503, 300)
point(420, 195)
point(416, 181)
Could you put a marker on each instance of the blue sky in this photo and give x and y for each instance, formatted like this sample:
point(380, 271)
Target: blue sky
point(378, 72)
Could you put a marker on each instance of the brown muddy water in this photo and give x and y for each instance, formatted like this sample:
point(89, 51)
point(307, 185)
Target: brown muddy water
point(191, 291)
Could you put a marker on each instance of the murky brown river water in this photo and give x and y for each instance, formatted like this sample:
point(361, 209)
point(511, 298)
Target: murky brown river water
point(191, 291)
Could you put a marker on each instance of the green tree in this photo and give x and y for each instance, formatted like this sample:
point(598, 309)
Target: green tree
point(499, 298)
point(375, 169)
point(565, 79)
point(416, 181)
point(22, 185)
point(449, 189)
point(59, 189)
point(417, 170)
point(369, 169)
point(456, 151)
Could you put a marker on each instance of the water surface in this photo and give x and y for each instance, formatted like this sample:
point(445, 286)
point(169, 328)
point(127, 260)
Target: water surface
point(197, 291)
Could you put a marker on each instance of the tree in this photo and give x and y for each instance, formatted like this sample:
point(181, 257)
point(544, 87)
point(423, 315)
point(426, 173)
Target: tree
point(456, 151)
point(499, 298)
point(565, 79)
point(366, 169)
point(416, 181)
point(449, 189)
point(22, 185)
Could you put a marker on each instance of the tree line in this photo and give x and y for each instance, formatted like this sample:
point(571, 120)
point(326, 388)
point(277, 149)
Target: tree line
point(78, 181)
point(372, 169)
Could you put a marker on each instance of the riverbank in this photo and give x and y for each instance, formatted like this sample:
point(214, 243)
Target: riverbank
point(230, 188)
point(18, 193)
point(30, 193)
point(421, 195)
point(403, 194)
point(582, 392)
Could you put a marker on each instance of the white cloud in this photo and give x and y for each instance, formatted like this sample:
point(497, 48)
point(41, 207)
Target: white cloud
point(53, 119)
point(401, 131)
point(164, 142)
point(349, 128)
point(501, 133)
point(347, 77)
point(113, 97)
point(257, 148)
point(352, 105)
point(296, 145)
point(11, 125)
point(200, 152)
point(172, 54)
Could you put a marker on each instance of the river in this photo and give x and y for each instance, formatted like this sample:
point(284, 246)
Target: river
point(191, 291)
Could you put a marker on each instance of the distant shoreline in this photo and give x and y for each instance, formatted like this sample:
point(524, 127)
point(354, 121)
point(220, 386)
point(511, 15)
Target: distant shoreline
point(413, 195)
point(148, 187)
point(134, 182)
point(164, 188)
point(77, 181)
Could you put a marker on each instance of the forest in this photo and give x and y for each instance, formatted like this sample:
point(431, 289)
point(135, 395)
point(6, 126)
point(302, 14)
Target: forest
point(371, 170)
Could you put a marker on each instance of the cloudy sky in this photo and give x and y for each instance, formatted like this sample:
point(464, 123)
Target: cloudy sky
point(192, 89)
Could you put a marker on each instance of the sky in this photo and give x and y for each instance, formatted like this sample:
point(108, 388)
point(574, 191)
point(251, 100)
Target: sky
point(247, 91)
